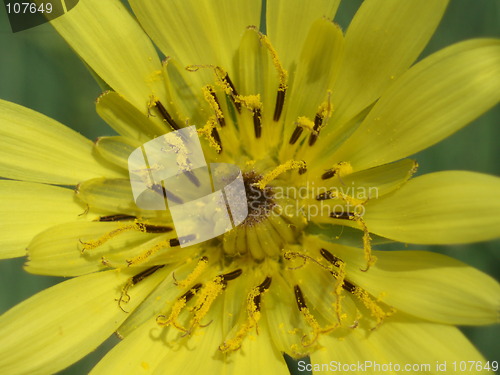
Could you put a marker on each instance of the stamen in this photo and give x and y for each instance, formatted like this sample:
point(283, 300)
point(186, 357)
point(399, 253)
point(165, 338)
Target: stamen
point(370, 259)
point(257, 122)
point(341, 169)
point(159, 189)
point(322, 116)
point(211, 134)
point(125, 297)
point(206, 298)
point(148, 253)
point(318, 121)
point(282, 73)
point(154, 102)
point(90, 245)
point(198, 270)
point(375, 310)
point(118, 217)
point(177, 308)
point(303, 169)
point(296, 134)
point(309, 318)
point(222, 79)
point(148, 228)
point(211, 98)
point(278, 107)
point(231, 275)
point(253, 313)
point(268, 177)
point(233, 90)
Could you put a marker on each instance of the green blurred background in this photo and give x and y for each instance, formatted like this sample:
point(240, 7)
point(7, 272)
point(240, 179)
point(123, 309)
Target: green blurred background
point(39, 71)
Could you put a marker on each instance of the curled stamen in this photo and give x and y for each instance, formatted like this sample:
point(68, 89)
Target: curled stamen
point(180, 303)
point(125, 297)
point(309, 318)
point(253, 317)
point(90, 245)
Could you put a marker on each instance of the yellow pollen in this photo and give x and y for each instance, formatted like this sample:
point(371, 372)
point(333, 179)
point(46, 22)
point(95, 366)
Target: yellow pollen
point(206, 297)
point(208, 95)
point(220, 76)
point(90, 245)
point(313, 323)
point(253, 318)
point(252, 102)
point(163, 321)
point(282, 168)
point(206, 131)
point(198, 270)
point(305, 123)
point(283, 74)
point(367, 247)
point(375, 310)
point(148, 253)
point(325, 109)
point(342, 169)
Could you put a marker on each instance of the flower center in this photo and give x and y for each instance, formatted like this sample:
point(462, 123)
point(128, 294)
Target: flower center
point(259, 200)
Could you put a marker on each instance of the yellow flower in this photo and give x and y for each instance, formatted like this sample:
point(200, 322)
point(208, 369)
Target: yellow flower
point(320, 122)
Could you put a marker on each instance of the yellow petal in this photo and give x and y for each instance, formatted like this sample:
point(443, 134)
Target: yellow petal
point(197, 31)
point(34, 147)
point(288, 22)
point(439, 208)
point(113, 195)
point(113, 44)
point(27, 208)
point(400, 342)
point(447, 290)
point(382, 41)
point(317, 70)
point(116, 149)
point(57, 251)
point(58, 326)
point(434, 99)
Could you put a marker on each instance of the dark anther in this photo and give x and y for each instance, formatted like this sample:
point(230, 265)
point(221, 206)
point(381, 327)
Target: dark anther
point(156, 228)
point(324, 196)
point(331, 258)
point(118, 217)
point(318, 120)
point(216, 137)
point(191, 292)
point(231, 275)
point(234, 93)
point(174, 242)
point(299, 297)
point(262, 288)
point(342, 215)
point(142, 275)
point(303, 169)
point(280, 101)
point(328, 174)
point(166, 116)
point(296, 134)
point(257, 122)
point(221, 120)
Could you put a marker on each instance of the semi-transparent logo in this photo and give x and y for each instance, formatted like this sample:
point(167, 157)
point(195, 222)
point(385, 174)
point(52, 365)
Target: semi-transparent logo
point(170, 172)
